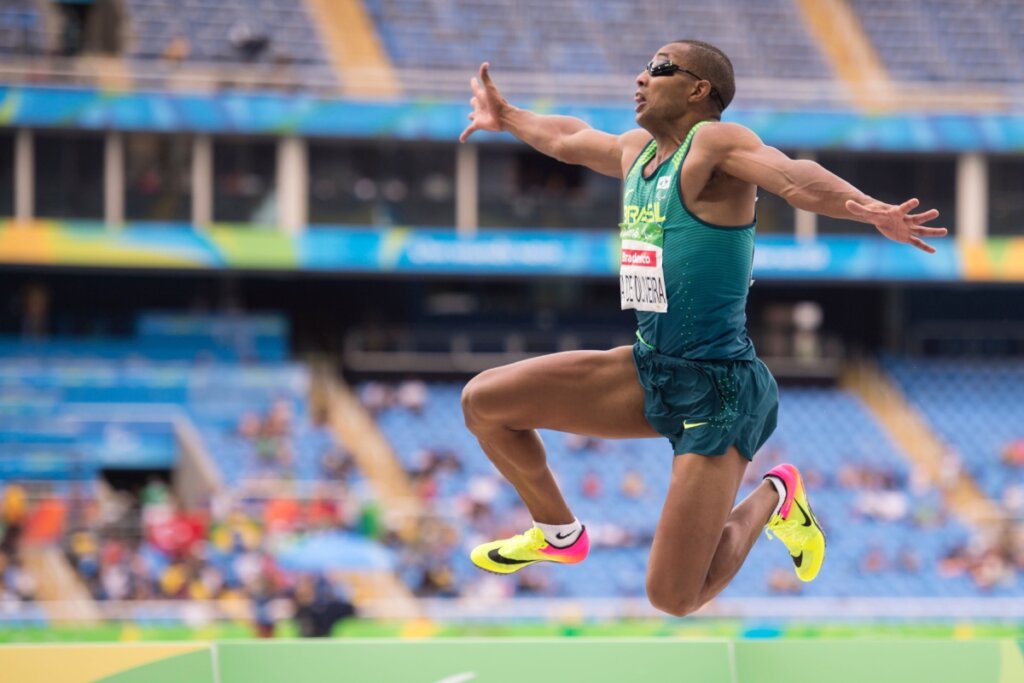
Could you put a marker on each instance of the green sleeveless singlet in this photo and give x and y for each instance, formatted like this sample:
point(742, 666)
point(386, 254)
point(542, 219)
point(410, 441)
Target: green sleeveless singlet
point(687, 279)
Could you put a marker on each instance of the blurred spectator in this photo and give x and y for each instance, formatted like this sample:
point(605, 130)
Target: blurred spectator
point(35, 313)
point(336, 464)
point(155, 492)
point(278, 423)
point(578, 443)
point(612, 535)
point(249, 426)
point(873, 561)
point(177, 50)
point(437, 580)
point(483, 489)
point(263, 615)
point(807, 319)
point(377, 397)
point(16, 584)
point(412, 395)
point(250, 43)
point(784, 582)
point(954, 562)
point(535, 581)
point(489, 587)
point(990, 559)
point(1013, 499)
point(13, 509)
point(813, 477)
point(318, 607)
point(370, 523)
point(990, 570)
point(1013, 453)
point(908, 562)
point(591, 486)
point(950, 469)
point(863, 476)
point(74, 15)
point(426, 486)
point(633, 485)
point(884, 506)
point(435, 461)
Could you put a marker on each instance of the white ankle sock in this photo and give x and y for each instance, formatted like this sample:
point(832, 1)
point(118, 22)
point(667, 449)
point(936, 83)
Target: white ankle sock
point(561, 535)
point(780, 486)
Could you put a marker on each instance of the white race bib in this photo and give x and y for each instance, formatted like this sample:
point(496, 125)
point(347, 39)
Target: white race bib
point(641, 271)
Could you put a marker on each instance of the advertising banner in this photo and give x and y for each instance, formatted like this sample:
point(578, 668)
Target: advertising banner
point(303, 114)
point(399, 251)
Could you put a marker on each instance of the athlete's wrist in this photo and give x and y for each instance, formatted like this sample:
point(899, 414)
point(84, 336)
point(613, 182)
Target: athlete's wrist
point(869, 203)
point(507, 115)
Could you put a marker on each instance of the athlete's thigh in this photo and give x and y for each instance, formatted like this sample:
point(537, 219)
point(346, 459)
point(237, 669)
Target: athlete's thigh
point(700, 497)
point(596, 393)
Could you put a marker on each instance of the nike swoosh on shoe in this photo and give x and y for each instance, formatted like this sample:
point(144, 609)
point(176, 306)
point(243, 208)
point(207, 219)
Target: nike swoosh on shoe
point(807, 517)
point(501, 559)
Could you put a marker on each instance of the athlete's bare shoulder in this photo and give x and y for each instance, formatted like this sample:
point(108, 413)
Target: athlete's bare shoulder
point(710, 190)
point(719, 138)
point(632, 142)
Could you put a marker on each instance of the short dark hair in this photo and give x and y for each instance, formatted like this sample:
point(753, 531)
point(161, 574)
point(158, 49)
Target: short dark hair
point(712, 64)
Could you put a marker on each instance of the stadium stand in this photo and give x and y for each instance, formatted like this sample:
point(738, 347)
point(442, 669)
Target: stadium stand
point(945, 40)
point(890, 535)
point(16, 584)
point(75, 410)
point(974, 406)
point(574, 39)
point(21, 30)
point(82, 402)
point(274, 38)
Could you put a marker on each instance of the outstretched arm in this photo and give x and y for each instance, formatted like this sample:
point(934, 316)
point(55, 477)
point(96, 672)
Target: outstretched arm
point(807, 185)
point(565, 138)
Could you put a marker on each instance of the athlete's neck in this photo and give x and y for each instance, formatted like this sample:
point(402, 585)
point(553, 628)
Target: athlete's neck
point(669, 135)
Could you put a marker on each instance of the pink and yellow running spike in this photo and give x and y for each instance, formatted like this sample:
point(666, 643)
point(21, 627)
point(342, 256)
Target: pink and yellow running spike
point(796, 526)
point(530, 547)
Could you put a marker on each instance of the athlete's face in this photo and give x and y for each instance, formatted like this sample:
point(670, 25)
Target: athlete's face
point(666, 85)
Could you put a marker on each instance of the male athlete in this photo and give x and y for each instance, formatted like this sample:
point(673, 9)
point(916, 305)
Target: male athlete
point(692, 376)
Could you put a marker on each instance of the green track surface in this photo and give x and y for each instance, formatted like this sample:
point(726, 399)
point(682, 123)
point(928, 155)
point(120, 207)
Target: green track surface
point(647, 628)
point(513, 660)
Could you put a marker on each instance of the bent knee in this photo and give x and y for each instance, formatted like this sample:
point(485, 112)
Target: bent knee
point(674, 602)
point(480, 400)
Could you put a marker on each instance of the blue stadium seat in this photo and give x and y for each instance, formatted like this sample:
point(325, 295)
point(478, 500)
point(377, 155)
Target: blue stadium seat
point(946, 40)
point(975, 406)
point(207, 24)
point(820, 430)
point(565, 39)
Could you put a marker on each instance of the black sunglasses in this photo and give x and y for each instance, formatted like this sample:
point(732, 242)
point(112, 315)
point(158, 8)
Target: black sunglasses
point(667, 68)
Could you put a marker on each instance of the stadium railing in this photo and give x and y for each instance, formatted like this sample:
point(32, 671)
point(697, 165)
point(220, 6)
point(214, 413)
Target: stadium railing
point(773, 93)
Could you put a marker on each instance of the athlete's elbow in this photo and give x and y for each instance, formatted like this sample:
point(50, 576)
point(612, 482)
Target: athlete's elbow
point(795, 195)
point(561, 152)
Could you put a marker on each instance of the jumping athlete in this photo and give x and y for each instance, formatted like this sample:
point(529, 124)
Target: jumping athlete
point(692, 376)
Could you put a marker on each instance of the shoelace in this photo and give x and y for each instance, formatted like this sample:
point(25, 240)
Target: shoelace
point(789, 531)
point(531, 539)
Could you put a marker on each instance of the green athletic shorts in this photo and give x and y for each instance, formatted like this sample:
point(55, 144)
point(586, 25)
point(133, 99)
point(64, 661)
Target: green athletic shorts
point(705, 407)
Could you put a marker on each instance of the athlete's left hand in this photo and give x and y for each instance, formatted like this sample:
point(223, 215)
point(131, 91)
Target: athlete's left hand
point(897, 223)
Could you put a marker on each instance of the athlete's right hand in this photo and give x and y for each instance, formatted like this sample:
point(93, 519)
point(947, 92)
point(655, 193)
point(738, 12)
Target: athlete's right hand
point(487, 103)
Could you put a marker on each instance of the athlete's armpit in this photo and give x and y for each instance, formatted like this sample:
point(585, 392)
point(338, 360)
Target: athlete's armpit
point(738, 151)
point(806, 185)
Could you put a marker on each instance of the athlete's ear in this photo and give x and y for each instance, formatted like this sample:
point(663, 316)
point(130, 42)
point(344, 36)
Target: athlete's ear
point(701, 91)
